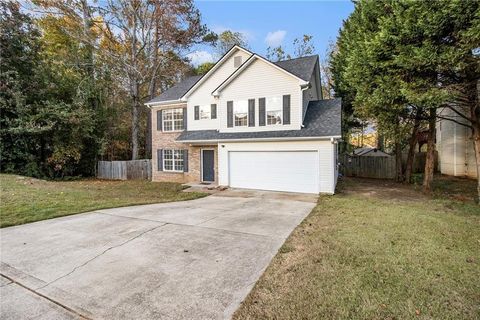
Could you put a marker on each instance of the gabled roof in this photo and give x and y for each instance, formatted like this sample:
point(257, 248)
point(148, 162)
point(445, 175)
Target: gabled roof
point(301, 67)
point(177, 91)
point(323, 119)
point(215, 67)
point(249, 61)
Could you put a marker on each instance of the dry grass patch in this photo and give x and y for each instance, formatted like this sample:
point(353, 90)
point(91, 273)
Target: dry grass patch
point(375, 252)
point(24, 199)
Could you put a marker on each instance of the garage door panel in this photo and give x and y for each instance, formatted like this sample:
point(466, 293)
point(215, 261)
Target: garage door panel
point(295, 171)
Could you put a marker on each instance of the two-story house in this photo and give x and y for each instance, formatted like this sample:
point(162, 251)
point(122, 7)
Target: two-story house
point(248, 123)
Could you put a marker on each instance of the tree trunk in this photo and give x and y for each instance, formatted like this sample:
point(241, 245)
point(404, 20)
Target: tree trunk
point(135, 127)
point(475, 117)
point(398, 162)
point(411, 149)
point(430, 159)
point(476, 143)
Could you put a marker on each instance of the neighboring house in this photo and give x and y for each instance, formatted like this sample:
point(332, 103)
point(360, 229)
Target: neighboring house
point(249, 123)
point(369, 152)
point(455, 147)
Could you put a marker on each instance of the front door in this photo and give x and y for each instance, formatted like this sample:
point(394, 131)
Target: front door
point(208, 165)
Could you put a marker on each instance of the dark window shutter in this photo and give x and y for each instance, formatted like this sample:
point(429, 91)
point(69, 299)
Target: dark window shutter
point(261, 111)
point(159, 159)
point(286, 109)
point(229, 114)
point(251, 112)
point(213, 110)
point(197, 112)
point(185, 118)
point(159, 120)
point(185, 160)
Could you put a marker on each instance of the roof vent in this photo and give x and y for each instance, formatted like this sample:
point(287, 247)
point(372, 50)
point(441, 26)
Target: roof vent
point(237, 61)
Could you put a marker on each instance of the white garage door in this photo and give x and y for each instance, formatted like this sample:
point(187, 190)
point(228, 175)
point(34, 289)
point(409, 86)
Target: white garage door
point(294, 171)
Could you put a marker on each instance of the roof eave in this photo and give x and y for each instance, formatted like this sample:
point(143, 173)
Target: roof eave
point(261, 139)
point(162, 103)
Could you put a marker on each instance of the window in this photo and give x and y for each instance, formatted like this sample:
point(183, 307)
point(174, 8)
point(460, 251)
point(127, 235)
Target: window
point(274, 110)
point(237, 61)
point(173, 160)
point(173, 119)
point(240, 113)
point(205, 111)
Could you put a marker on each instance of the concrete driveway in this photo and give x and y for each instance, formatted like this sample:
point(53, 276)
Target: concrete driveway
point(184, 260)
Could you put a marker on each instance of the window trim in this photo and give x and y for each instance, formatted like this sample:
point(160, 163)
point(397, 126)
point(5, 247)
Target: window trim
point(173, 161)
point(172, 121)
point(266, 112)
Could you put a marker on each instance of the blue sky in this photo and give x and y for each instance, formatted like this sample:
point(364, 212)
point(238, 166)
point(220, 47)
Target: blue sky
point(272, 23)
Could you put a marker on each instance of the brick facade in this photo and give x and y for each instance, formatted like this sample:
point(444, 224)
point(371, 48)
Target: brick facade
point(167, 140)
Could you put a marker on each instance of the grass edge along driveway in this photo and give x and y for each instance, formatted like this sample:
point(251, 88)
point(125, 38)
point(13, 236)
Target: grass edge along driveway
point(376, 250)
point(24, 199)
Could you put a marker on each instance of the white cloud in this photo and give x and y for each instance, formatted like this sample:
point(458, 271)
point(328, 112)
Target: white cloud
point(274, 39)
point(199, 57)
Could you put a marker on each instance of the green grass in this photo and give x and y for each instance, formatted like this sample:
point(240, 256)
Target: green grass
point(376, 250)
point(24, 199)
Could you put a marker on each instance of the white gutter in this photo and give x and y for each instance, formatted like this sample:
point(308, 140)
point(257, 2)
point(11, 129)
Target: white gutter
point(303, 88)
point(163, 103)
point(261, 139)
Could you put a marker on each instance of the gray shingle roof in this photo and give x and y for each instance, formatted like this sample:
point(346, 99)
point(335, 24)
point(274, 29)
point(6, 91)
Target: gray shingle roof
point(301, 67)
point(323, 118)
point(177, 91)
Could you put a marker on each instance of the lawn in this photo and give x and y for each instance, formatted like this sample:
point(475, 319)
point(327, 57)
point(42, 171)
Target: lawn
point(24, 199)
point(377, 250)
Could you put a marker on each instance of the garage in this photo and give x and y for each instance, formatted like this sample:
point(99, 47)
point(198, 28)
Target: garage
point(292, 171)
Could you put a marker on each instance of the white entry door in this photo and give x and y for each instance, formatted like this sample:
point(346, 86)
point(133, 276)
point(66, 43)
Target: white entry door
point(293, 171)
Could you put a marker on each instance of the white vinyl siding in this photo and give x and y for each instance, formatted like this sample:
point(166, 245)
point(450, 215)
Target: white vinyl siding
point(203, 95)
point(261, 80)
point(324, 152)
point(455, 147)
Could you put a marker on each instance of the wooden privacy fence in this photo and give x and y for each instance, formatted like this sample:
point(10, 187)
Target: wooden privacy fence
point(367, 167)
point(125, 170)
point(379, 167)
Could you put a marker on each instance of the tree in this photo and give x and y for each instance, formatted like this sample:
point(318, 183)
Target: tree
point(366, 82)
point(401, 61)
point(277, 54)
point(326, 72)
point(304, 46)
point(43, 119)
point(227, 39)
point(203, 68)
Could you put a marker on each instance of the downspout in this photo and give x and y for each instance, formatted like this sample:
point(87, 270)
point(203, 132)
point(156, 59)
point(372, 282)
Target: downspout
point(303, 88)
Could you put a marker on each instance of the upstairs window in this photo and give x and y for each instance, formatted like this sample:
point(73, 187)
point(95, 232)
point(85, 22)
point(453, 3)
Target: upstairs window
point(205, 111)
point(237, 61)
point(274, 110)
point(240, 113)
point(173, 119)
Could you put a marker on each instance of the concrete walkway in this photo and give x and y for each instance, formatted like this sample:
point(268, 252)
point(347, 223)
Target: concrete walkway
point(184, 260)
